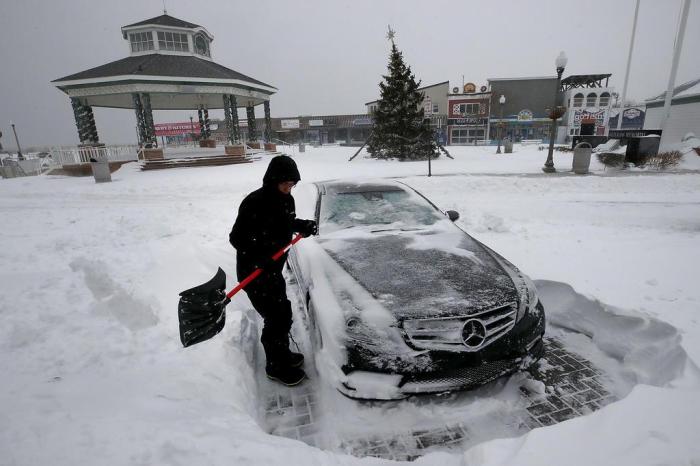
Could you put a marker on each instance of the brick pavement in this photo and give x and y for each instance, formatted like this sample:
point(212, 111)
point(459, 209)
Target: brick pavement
point(573, 387)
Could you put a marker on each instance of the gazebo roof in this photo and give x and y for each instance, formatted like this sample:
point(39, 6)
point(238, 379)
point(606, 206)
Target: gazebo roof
point(164, 20)
point(157, 65)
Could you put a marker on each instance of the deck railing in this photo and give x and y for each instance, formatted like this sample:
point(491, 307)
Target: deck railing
point(75, 155)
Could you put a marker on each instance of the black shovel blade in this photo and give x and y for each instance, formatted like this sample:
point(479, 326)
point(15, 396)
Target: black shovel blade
point(202, 310)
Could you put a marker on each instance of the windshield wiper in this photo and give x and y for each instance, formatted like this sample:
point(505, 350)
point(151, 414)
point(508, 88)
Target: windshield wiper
point(396, 229)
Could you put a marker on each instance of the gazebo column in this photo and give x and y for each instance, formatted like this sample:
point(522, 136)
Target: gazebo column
point(233, 147)
point(146, 128)
point(269, 145)
point(205, 128)
point(227, 119)
point(85, 122)
point(150, 128)
point(252, 130)
point(234, 119)
point(140, 125)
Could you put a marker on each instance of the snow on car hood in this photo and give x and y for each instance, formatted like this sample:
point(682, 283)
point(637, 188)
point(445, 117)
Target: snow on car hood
point(436, 271)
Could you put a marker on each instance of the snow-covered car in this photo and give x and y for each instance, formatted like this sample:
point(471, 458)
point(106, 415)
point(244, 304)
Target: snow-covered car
point(401, 301)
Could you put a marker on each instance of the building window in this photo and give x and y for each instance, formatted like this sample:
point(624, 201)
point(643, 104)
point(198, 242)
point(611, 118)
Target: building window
point(436, 108)
point(466, 109)
point(578, 100)
point(201, 45)
point(466, 135)
point(173, 41)
point(141, 41)
point(590, 100)
point(604, 99)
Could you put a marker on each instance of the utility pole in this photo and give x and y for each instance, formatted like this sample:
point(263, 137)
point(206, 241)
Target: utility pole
point(678, 45)
point(627, 72)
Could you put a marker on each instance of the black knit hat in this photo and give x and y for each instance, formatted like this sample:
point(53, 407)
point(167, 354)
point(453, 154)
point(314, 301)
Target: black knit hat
point(282, 168)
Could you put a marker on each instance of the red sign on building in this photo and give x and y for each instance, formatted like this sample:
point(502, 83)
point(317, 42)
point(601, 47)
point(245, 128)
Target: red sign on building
point(176, 129)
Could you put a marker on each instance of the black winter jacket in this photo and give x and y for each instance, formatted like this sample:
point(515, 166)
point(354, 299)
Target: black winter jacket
point(266, 219)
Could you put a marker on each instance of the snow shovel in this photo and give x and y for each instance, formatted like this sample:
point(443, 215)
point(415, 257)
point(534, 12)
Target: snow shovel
point(202, 309)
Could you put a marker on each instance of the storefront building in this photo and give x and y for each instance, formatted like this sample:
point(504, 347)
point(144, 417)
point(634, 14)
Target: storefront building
point(588, 101)
point(352, 129)
point(523, 116)
point(468, 115)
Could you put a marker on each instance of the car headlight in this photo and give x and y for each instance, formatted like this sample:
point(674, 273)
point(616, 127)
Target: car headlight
point(381, 336)
point(527, 293)
point(358, 331)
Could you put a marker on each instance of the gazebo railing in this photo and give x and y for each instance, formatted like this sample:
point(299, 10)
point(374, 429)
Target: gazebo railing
point(76, 155)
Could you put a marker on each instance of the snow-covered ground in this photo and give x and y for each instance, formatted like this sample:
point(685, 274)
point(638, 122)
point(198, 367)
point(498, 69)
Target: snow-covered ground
point(94, 372)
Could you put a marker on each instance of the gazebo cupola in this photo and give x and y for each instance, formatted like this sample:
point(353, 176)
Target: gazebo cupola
point(167, 35)
point(169, 67)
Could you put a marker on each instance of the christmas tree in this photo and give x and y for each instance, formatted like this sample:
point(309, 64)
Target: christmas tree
point(400, 128)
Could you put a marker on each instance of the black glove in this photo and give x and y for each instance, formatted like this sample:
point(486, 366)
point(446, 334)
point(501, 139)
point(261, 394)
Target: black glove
point(307, 228)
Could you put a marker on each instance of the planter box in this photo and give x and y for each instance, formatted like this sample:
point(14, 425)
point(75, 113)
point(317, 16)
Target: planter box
point(152, 154)
point(270, 147)
point(210, 143)
point(82, 169)
point(237, 151)
point(254, 145)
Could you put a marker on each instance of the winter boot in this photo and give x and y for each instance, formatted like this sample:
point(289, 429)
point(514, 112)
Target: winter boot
point(295, 359)
point(284, 374)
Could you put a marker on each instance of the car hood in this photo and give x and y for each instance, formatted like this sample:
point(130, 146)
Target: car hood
point(436, 272)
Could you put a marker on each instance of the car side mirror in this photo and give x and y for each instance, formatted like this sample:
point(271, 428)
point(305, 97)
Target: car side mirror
point(452, 215)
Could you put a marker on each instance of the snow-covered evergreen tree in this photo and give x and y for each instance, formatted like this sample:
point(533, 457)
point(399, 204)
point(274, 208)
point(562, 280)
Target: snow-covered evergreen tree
point(400, 128)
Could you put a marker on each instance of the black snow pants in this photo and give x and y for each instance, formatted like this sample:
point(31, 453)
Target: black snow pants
point(268, 294)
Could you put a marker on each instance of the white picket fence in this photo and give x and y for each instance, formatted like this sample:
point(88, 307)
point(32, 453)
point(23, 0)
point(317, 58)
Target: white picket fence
point(74, 155)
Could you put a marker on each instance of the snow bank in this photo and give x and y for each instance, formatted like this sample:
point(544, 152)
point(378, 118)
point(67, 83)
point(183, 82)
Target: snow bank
point(652, 426)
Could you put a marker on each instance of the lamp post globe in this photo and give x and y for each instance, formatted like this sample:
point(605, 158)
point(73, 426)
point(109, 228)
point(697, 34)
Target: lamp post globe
point(501, 101)
point(560, 64)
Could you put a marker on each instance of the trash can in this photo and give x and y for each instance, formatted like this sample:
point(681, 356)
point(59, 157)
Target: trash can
point(508, 146)
point(100, 170)
point(582, 158)
point(302, 147)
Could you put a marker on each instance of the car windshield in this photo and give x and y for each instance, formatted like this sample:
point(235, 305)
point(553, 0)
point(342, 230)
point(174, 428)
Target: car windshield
point(396, 208)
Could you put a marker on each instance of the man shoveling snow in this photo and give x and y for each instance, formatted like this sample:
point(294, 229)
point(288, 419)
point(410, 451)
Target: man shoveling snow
point(265, 223)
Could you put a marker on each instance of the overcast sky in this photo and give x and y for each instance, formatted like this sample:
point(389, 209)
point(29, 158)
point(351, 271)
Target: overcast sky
point(326, 56)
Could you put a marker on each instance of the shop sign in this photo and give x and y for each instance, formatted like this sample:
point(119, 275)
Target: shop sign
point(466, 121)
point(290, 124)
point(427, 106)
point(315, 122)
point(175, 129)
point(362, 121)
point(524, 115)
point(599, 117)
point(631, 113)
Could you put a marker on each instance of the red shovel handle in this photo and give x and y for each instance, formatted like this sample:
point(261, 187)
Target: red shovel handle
point(257, 272)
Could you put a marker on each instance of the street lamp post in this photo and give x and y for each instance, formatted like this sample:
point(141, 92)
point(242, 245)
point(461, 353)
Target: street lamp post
point(501, 101)
point(19, 149)
point(560, 63)
point(192, 132)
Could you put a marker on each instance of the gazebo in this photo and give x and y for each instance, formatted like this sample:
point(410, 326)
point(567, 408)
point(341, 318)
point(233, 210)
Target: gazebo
point(169, 68)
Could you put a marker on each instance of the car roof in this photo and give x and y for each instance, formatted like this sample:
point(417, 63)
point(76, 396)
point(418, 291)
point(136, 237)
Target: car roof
point(348, 187)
